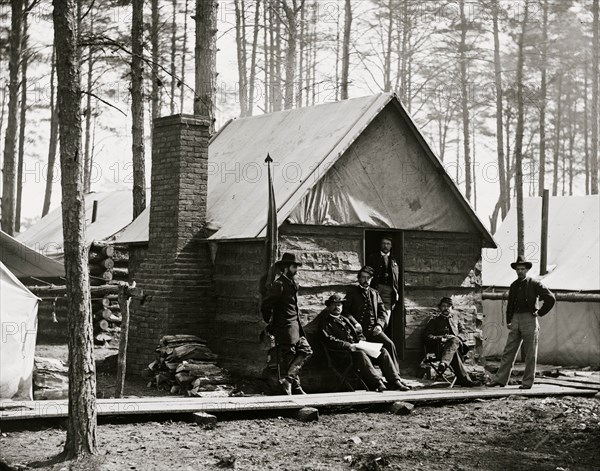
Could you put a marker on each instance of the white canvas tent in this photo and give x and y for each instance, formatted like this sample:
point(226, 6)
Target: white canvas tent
point(114, 212)
point(570, 333)
point(18, 322)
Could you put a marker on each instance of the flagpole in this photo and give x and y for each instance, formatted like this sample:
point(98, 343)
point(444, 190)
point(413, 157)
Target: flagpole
point(271, 245)
point(271, 241)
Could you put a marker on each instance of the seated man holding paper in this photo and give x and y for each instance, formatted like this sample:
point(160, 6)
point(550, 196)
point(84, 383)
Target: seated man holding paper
point(340, 335)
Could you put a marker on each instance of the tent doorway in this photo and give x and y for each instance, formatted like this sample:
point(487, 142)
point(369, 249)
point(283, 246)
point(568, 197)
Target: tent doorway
point(372, 241)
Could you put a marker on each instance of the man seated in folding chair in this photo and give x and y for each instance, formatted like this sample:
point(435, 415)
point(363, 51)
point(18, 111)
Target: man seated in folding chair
point(341, 336)
point(445, 335)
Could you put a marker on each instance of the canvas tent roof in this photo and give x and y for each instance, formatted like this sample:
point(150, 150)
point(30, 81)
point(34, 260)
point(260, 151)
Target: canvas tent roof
point(25, 262)
point(573, 244)
point(115, 209)
point(304, 143)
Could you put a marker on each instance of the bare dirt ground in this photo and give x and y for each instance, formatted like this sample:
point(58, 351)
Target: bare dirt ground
point(505, 434)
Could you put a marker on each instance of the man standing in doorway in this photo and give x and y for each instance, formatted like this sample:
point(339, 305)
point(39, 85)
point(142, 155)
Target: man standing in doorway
point(363, 306)
point(386, 275)
point(522, 320)
point(280, 311)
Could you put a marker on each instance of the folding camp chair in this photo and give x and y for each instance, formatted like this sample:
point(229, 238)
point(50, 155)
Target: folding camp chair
point(432, 361)
point(346, 374)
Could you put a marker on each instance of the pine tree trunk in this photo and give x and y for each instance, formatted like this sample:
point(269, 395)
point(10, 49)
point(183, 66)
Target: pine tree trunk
point(557, 134)
point(508, 165)
point(3, 103)
point(337, 56)
point(206, 55)
point(519, 138)
point(465, 99)
point(564, 166)
point(314, 56)
point(277, 95)
point(137, 108)
point(406, 61)
point(183, 56)
point(81, 428)
point(251, 86)
point(267, 63)
point(173, 56)
point(240, 39)
point(7, 218)
point(572, 132)
point(346, 50)
point(2, 108)
point(302, 45)
point(291, 13)
point(22, 123)
point(594, 109)
point(387, 70)
point(543, 94)
point(586, 143)
point(474, 167)
point(272, 58)
point(87, 166)
point(156, 82)
point(499, 124)
point(53, 144)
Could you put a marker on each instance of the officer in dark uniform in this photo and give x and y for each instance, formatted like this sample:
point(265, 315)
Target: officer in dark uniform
point(341, 337)
point(363, 305)
point(447, 334)
point(280, 311)
point(386, 273)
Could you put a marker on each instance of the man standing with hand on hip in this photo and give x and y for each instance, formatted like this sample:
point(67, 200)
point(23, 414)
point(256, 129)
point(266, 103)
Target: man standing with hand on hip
point(522, 320)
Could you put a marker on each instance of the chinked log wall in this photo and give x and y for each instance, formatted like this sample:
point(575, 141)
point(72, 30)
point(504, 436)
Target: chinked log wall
point(437, 265)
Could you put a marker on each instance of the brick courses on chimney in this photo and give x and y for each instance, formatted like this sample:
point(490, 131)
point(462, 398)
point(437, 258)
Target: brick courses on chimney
point(176, 274)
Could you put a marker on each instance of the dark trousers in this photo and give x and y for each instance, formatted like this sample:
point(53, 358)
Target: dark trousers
point(369, 374)
point(292, 357)
point(387, 344)
point(450, 354)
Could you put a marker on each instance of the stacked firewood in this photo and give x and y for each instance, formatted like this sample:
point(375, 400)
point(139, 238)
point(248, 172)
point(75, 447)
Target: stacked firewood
point(108, 263)
point(107, 320)
point(52, 312)
point(185, 365)
point(121, 263)
point(101, 263)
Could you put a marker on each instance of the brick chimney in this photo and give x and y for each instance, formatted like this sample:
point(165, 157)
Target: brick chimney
point(176, 274)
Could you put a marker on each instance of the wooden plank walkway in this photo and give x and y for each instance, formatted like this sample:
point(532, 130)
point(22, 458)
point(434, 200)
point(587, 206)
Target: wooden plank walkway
point(569, 382)
point(14, 410)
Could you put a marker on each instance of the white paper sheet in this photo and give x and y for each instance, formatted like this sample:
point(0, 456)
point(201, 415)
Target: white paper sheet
point(370, 348)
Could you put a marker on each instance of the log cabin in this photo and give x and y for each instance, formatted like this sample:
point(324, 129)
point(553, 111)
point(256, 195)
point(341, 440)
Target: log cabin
point(344, 174)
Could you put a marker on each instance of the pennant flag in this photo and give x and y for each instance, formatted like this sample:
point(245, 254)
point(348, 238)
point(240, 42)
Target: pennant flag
point(272, 228)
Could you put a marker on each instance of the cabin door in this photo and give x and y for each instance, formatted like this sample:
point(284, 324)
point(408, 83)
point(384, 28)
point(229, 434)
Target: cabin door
point(372, 241)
